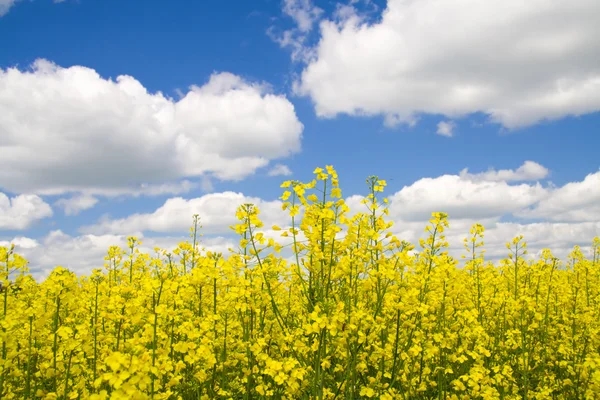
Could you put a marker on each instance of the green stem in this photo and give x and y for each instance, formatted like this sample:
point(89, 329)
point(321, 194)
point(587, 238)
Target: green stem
point(55, 343)
point(29, 360)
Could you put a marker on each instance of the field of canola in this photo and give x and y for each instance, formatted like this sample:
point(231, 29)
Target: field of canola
point(344, 310)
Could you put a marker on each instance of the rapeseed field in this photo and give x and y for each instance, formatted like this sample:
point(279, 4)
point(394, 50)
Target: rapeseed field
point(333, 307)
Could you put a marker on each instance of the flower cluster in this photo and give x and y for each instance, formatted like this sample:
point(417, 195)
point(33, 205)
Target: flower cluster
point(331, 306)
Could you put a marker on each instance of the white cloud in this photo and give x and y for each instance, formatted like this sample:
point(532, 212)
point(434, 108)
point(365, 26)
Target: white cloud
point(568, 215)
point(280, 170)
point(575, 201)
point(303, 12)
point(151, 189)
point(22, 211)
point(20, 243)
point(206, 184)
point(483, 198)
point(83, 253)
point(305, 15)
point(71, 130)
point(5, 5)
point(558, 237)
point(519, 62)
point(216, 211)
point(74, 205)
point(446, 128)
point(462, 198)
point(475, 198)
point(529, 171)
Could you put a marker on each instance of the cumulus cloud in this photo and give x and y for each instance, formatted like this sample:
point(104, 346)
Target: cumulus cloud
point(280, 170)
point(21, 211)
point(529, 171)
point(305, 15)
point(85, 252)
point(518, 62)
point(71, 130)
point(446, 128)
point(83, 200)
point(558, 237)
point(216, 211)
point(567, 215)
point(462, 198)
point(303, 12)
point(467, 198)
point(159, 189)
point(564, 216)
point(21, 243)
point(5, 5)
point(74, 205)
point(575, 201)
point(81, 254)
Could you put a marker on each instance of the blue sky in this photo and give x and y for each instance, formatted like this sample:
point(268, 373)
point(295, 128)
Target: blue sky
point(414, 92)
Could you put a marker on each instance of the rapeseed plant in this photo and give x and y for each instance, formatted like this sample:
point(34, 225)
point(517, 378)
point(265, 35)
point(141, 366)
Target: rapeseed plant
point(353, 313)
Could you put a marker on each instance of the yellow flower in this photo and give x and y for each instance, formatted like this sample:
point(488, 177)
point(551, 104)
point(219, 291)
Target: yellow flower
point(343, 308)
point(367, 392)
